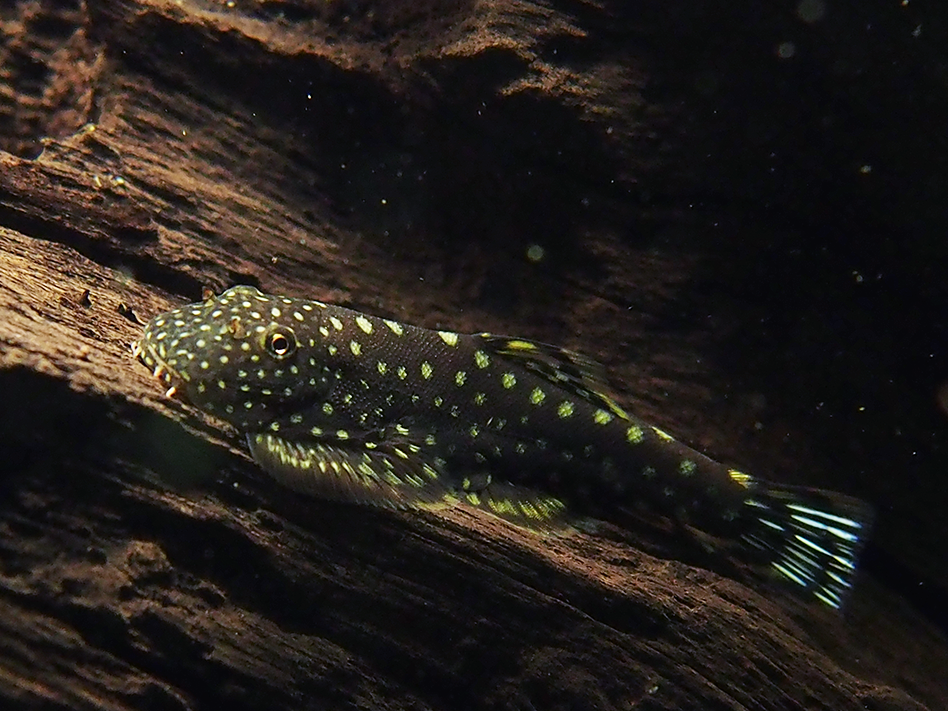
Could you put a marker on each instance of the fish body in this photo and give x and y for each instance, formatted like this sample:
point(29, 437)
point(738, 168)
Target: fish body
point(342, 404)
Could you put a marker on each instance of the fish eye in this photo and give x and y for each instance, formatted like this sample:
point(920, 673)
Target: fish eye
point(281, 342)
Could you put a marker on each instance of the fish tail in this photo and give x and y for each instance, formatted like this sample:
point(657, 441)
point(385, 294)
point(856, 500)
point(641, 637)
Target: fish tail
point(810, 537)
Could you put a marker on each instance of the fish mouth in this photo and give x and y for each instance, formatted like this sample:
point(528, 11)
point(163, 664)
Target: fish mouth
point(147, 356)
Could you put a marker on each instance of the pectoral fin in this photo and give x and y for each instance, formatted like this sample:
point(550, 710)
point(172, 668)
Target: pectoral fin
point(395, 475)
point(384, 475)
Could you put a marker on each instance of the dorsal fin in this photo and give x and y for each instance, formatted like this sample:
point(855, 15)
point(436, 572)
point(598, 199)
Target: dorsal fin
point(567, 369)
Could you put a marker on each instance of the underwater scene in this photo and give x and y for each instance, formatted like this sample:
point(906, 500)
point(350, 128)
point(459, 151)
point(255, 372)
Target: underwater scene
point(473, 354)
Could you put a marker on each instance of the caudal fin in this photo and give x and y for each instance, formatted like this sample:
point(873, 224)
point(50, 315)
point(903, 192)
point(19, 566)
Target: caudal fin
point(810, 537)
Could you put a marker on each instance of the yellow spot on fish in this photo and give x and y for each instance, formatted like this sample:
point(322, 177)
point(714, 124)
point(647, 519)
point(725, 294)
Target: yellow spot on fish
point(634, 434)
point(430, 440)
point(460, 377)
point(509, 380)
point(327, 408)
point(687, 467)
point(664, 435)
point(342, 434)
point(332, 349)
point(482, 359)
point(438, 401)
point(402, 373)
point(395, 327)
point(274, 426)
point(363, 323)
point(565, 409)
point(449, 337)
point(740, 477)
point(474, 431)
point(355, 347)
point(426, 370)
point(520, 345)
point(336, 323)
point(480, 398)
point(602, 417)
point(382, 367)
point(324, 331)
point(316, 431)
point(537, 396)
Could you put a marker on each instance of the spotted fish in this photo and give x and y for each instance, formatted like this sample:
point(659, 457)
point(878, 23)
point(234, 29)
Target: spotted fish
point(342, 404)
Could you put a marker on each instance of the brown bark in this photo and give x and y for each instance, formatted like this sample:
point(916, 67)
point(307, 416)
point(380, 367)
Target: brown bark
point(402, 158)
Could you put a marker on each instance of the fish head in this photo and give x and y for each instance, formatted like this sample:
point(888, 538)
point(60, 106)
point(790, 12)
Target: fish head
point(238, 357)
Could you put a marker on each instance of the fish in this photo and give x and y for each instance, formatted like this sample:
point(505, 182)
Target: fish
point(348, 406)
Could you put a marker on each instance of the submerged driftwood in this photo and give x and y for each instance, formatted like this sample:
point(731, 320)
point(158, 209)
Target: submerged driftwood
point(521, 167)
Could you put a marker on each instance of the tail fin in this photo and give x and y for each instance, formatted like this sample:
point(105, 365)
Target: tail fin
point(811, 537)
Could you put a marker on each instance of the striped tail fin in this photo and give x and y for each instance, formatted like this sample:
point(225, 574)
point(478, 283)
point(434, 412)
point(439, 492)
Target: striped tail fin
point(810, 537)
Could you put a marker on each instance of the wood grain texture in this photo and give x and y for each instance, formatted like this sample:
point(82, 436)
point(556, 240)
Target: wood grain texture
point(702, 214)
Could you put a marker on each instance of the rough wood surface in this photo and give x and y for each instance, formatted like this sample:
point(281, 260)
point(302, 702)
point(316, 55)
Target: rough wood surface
point(741, 214)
